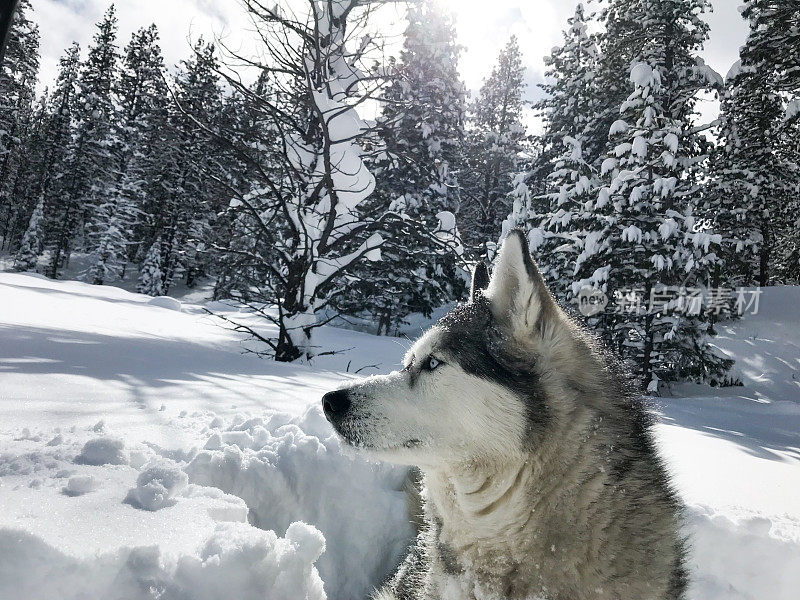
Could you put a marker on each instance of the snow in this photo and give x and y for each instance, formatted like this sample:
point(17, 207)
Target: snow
point(157, 486)
point(642, 74)
point(266, 461)
point(617, 127)
point(165, 302)
point(236, 487)
point(236, 561)
point(639, 147)
point(80, 484)
point(102, 451)
point(671, 142)
point(734, 71)
point(792, 109)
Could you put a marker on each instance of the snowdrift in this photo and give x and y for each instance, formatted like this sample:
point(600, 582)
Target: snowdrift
point(236, 561)
point(294, 469)
point(142, 455)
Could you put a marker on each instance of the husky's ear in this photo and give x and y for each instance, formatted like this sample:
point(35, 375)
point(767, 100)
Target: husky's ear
point(480, 281)
point(517, 292)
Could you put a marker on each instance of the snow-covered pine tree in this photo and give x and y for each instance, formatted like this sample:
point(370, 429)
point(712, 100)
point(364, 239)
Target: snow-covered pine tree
point(423, 110)
point(572, 102)
point(239, 245)
point(641, 249)
point(788, 262)
point(91, 168)
point(18, 75)
point(187, 173)
point(635, 234)
point(568, 165)
point(142, 102)
point(151, 279)
point(420, 141)
point(27, 256)
point(62, 208)
point(96, 115)
point(496, 141)
point(755, 170)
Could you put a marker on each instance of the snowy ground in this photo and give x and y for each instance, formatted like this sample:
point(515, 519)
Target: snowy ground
point(211, 474)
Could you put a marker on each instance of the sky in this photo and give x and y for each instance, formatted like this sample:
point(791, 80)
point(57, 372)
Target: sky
point(483, 29)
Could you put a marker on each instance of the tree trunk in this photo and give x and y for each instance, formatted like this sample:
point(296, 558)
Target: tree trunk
point(764, 257)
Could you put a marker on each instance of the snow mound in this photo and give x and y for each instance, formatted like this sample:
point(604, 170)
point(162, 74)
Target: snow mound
point(157, 486)
point(165, 302)
point(294, 469)
point(241, 562)
point(237, 561)
point(740, 559)
point(79, 485)
point(102, 451)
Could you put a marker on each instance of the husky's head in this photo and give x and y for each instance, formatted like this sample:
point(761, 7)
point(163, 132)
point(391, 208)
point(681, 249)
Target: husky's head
point(486, 381)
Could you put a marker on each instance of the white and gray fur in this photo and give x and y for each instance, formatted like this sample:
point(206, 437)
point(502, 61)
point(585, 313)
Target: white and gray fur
point(540, 477)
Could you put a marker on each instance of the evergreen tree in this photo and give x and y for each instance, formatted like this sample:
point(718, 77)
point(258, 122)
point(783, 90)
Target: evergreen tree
point(755, 170)
point(62, 208)
point(151, 279)
point(643, 251)
point(788, 262)
point(27, 256)
point(141, 96)
point(18, 75)
point(567, 168)
point(239, 242)
point(423, 114)
point(496, 141)
point(187, 173)
point(572, 102)
point(144, 136)
point(634, 237)
point(91, 168)
point(420, 137)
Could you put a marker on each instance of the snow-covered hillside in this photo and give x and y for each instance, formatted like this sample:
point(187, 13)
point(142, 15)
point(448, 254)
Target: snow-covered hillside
point(143, 455)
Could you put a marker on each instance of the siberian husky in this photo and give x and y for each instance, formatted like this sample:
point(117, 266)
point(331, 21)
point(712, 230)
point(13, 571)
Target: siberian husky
point(540, 477)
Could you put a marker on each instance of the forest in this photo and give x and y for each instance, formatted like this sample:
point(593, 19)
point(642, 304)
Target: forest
point(345, 175)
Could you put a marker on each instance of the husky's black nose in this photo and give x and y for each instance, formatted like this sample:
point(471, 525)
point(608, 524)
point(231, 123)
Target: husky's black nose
point(335, 405)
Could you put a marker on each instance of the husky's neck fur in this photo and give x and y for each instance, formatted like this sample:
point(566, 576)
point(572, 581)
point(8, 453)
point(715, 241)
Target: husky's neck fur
point(498, 526)
point(474, 501)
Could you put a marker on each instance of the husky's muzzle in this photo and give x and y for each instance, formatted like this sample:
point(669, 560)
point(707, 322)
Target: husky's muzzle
point(335, 405)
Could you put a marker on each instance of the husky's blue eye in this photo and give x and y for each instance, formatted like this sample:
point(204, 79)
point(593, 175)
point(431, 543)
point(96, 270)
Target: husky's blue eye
point(432, 363)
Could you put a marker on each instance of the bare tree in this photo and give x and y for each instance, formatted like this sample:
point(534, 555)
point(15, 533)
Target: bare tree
point(298, 224)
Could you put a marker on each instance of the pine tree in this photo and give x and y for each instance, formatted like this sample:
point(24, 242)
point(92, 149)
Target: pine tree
point(420, 138)
point(189, 199)
point(239, 245)
point(571, 106)
point(18, 75)
point(642, 247)
point(634, 237)
point(151, 279)
point(755, 170)
point(144, 135)
point(496, 142)
point(788, 263)
point(141, 98)
point(568, 165)
point(62, 209)
point(27, 256)
point(423, 114)
point(91, 167)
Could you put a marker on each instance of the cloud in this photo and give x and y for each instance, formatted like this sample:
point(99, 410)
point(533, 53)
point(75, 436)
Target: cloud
point(180, 23)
